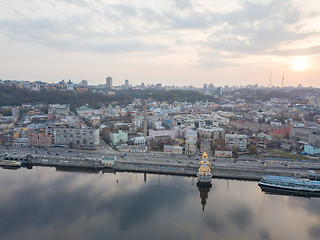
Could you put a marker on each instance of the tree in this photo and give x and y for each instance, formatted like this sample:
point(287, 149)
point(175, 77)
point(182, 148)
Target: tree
point(213, 146)
point(235, 151)
point(252, 149)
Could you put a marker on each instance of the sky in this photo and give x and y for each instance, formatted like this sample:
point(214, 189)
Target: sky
point(173, 42)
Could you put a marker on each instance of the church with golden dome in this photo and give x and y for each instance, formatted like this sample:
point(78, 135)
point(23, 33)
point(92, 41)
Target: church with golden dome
point(204, 174)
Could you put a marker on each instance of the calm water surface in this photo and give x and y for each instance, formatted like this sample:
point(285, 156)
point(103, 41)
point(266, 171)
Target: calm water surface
point(43, 203)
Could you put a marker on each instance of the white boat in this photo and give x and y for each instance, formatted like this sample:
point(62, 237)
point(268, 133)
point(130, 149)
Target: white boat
point(290, 185)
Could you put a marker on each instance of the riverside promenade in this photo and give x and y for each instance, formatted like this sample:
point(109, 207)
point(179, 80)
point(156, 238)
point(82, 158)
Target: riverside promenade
point(162, 163)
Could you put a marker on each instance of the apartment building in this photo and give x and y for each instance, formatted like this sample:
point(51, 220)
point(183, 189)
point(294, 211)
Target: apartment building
point(75, 137)
point(237, 140)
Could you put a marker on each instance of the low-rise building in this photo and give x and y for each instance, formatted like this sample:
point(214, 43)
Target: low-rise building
point(60, 109)
point(133, 148)
point(173, 149)
point(237, 140)
point(40, 140)
point(310, 135)
point(279, 133)
point(210, 134)
point(119, 137)
point(21, 142)
point(191, 142)
point(312, 150)
point(223, 152)
point(6, 139)
point(84, 111)
point(138, 140)
point(162, 133)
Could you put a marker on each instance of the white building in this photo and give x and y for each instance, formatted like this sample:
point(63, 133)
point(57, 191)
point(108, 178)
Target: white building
point(119, 137)
point(74, 137)
point(60, 109)
point(173, 149)
point(210, 134)
point(21, 142)
point(191, 142)
point(138, 141)
point(237, 140)
point(84, 111)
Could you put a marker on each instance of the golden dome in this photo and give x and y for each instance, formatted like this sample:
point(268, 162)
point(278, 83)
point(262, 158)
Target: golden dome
point(205, 154)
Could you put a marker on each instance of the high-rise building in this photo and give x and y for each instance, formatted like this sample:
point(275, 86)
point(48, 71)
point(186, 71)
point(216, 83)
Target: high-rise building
point(84, 83)
point(205, 87)
point(109, 82)
point(126, 83)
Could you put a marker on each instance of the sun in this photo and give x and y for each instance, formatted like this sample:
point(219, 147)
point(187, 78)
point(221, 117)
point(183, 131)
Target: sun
point(300, 63)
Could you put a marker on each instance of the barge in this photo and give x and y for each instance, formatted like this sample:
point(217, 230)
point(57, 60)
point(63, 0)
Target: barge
point(290, 186)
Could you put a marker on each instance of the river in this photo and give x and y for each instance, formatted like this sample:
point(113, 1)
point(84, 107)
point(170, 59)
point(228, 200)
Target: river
point(43, 203)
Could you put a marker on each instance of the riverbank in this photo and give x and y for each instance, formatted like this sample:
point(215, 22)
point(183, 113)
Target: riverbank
point(243, 168)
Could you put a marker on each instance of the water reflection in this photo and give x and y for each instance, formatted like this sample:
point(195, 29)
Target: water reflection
point(204, 189)
point(43, 203)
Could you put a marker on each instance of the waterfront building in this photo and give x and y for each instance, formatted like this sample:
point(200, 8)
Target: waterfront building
point(21, 142)
point(204, 173)
point(40, 140)
point(133, 148)
point(173, 149)
point(108, 161)
point(75, 137)
point(237, 140)
point(223, 152)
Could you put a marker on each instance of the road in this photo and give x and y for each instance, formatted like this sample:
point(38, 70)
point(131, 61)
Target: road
point(165, 159)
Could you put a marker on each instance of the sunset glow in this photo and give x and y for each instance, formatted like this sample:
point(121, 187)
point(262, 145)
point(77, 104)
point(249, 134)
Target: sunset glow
point(300, 63)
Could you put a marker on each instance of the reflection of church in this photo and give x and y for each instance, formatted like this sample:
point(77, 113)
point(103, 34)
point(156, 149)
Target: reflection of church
point(204, 190)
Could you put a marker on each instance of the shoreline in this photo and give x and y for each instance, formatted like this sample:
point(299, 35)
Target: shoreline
point(243, 168)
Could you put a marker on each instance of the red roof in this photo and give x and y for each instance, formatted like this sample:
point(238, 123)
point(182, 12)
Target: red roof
point(281, 131)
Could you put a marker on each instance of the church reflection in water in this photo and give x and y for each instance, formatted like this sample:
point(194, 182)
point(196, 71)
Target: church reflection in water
point(204, 179)
point(204, 189)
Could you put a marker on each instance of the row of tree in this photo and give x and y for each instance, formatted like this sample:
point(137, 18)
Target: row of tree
point(16, 96)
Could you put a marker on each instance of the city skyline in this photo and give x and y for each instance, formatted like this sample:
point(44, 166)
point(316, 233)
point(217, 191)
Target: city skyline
point(171, 42)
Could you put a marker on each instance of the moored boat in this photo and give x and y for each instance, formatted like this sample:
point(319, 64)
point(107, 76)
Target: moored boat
point(290, 185)
point(10, 164)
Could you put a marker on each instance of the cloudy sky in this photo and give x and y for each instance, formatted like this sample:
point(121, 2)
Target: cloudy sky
point(174, 42)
